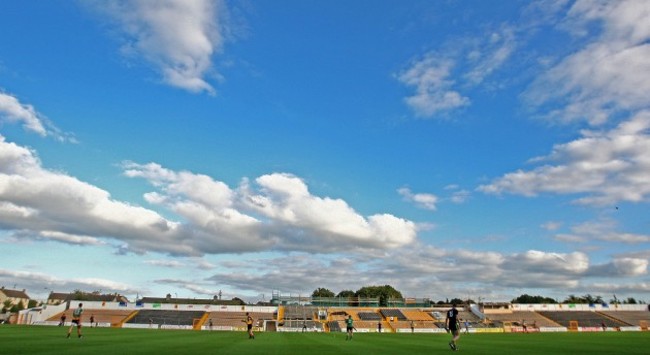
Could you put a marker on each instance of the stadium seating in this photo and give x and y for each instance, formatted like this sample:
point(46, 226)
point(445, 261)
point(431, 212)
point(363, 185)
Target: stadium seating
point(299, 312)
point(101, 316)
point(369, 316)
point(584, 318)
point(516, 317)
point(166, 317)
point(234, 319)
point(417, 315)
point(630, 317)
point(393, 314)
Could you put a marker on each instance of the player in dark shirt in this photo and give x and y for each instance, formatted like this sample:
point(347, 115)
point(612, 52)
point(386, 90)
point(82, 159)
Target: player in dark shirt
point(453, 326)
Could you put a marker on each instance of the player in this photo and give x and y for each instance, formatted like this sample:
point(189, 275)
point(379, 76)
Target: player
point(349, 327)
point(76, 319)
point(454, 327)
point(249, 325)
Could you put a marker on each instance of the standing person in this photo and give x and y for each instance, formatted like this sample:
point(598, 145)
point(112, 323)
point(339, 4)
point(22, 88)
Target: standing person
point(349, 327)
point(210, 324)
point(412, 327)
point(452, 324)
point(379, 326)
point(466, 326)
point(249, 325)
point(524, 326)
point(62, 324)
point(76, 319)
point(92, 320)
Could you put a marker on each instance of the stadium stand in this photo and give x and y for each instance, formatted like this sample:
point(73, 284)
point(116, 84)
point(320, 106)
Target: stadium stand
point(234, 319)
point(166, 317)
point(393, 314)
point(583, 318)
point(300, 312)
point(114, 317)
point(630, 317)
point(309, 325)
point(369, 316)
point(516, 317)
point(417, 315)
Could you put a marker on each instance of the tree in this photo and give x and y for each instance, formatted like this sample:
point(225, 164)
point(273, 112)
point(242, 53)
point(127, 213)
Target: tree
point(6, 305)
point(573, 299)
point(322, 292)
point(78, 295)
point(346, 294)
point(630, 300)
point(456, 301)
point(384, 293)
point(32, 303)
point(17, 307)
point(525, 298)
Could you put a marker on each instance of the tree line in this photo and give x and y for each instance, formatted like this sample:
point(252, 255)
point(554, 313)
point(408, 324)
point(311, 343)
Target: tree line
point(386, 292)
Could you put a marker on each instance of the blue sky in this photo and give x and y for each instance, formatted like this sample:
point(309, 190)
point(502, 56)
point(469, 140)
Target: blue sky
point(447, 148)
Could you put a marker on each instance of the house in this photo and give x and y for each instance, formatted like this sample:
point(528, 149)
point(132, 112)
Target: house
point(59, 298)
point(202, 301)
point(14, 296)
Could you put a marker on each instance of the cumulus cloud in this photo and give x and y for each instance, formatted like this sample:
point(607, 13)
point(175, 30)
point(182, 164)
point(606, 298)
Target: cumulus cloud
point(276, 213)
point(422, 200)
point(428, 271)
point(605, 166)
point(621, 267)
point(608, 76)
point(178, 37)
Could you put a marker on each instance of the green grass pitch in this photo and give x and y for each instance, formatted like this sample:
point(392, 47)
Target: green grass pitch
point(98, 341)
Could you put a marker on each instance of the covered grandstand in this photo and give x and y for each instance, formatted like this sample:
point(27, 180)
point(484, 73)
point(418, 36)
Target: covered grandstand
point(311, 318)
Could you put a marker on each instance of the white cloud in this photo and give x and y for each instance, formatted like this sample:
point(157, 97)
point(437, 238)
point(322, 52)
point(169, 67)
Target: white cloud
point(606, 166)
point(430, 77)
point(11, 110)
point(551, 225)
point(491, 55)
point(165, 263)
point(279, 213)
point(14, 111)
point(422, 200)
point(427, 271)
point(608, 76)
point(621, 267)
point(37, 281)
point(179, 37)
point(438, 79)
point(458, 195)
point(602, 230)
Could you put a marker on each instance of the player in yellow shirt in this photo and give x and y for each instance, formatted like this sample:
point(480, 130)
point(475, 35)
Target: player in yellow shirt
point(249, 325)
